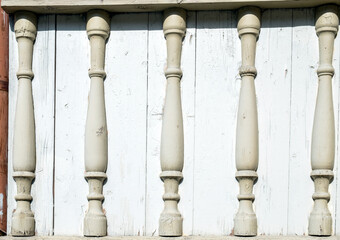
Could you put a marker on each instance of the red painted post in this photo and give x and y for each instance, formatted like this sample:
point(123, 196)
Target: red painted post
point(3, 118)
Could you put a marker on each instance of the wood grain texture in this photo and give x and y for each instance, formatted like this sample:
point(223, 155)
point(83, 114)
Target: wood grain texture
point(79, 6)
point(43, 86)
point(156, 95)
point(72, 88)
point(303, 97)
point(273, 85)
point(126, 104)
point(4, 30)
point(218, 57)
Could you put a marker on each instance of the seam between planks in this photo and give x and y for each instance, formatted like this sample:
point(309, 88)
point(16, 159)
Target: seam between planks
point(147, 123)
point(290, 115)
point(194, 137)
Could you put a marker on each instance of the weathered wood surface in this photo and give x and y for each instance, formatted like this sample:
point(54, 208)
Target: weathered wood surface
point(286, 87)
point(4, 30)
point(43, 87)
point(80, 6)
point(174, 238)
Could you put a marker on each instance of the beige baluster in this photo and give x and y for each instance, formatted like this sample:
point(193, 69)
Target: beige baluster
point(247, 128)
point(96, 155)
point(172, 146)
point(23, 223)
point(323, 139)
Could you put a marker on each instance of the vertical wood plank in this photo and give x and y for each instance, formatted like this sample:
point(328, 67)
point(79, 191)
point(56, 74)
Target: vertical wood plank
point(333, 206)
point(156, 94)
point(273, 83)
point(188, 108)
point(126, 104)
point(303, 97)
point(334, 188)
point(72, 88)
point(12, 93)
point(43, 98)
point(217, 91)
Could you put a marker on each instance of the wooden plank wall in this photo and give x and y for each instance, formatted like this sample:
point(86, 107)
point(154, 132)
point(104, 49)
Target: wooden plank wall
point(286, 85)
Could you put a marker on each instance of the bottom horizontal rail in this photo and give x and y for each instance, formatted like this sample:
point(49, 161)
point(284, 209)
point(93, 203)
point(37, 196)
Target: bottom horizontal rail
point(173, 238)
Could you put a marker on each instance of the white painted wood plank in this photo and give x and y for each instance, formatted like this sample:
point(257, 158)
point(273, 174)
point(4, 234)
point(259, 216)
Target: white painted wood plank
point(335, 187)
point(188, 81)
point(333, 206)
point(217, 91)
point(43, 97)
point(273, 83)
point(12, 99)
point(303, 99)
point(156, 94)
point(126, 103)
point(72, 87)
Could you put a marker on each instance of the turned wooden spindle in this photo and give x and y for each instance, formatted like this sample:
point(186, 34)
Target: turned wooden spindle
point(172, 146)
point(96, 155)
point(247, 128)
point(323, 137)
point(23, 223)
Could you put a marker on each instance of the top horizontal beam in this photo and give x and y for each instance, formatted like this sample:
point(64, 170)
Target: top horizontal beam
point(80, 6)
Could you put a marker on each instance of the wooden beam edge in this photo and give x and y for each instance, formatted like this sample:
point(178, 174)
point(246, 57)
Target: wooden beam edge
point(172, 238)
point(81, 6)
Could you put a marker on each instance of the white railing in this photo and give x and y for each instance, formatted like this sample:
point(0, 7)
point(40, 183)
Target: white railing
point(172, 140)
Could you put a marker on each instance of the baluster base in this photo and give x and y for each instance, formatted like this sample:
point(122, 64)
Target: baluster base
point(320, 220)
point(171, 221)
point(23, 224)
point(170, 226)
point(245, 221)
point(95, 225)
point(320, 224)
point(245, 224)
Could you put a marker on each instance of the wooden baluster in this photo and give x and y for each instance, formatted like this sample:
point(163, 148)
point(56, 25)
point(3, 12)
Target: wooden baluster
point(247, 128)
point(323, 139)
point(23, 223)
point(96, 155)
point(172, 146)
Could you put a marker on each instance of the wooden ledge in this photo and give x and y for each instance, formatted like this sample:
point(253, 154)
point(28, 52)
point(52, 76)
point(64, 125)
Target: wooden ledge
point(80, 6)
point(175, 238)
